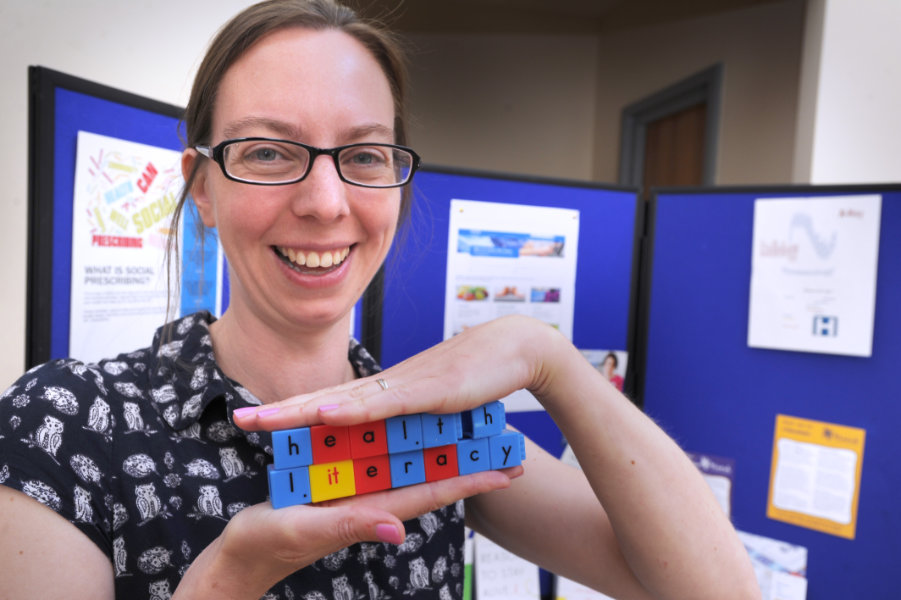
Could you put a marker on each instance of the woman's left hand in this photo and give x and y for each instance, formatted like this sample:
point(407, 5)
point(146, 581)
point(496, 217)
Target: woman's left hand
point(480, 365)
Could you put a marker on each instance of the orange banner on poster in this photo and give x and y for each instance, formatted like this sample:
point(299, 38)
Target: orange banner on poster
point(815, 475)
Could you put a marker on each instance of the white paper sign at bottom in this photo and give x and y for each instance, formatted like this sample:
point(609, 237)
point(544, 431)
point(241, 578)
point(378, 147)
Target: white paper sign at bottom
point(501, 575)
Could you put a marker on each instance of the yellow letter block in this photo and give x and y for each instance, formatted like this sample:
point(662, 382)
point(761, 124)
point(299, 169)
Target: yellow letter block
point(332, 480)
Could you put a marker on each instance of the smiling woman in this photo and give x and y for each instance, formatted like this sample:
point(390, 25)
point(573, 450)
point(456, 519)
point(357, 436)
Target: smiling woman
point(151, 466)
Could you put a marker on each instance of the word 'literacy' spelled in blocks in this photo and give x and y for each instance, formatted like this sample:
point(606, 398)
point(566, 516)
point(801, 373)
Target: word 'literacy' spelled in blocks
point(323, 462)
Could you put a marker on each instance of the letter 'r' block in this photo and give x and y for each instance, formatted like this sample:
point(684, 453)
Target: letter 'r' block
point(291, 448)
point(407, 468)
point(508, 449)
point(288, 487)
point(486, 420)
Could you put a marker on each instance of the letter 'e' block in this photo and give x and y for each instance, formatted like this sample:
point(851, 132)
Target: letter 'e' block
point(440, 430)
point(407, 468)
point(441, 462)
point(486, 420)
point(372, 474)
point(288, 487)
point(368, 439)
point(404, 433)
point(332, 480)
point(330, 443)
point(508, 449)
point(291, 448)
point(473, 456)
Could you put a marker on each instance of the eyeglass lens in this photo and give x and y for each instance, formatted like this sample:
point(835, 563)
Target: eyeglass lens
point(267, 161)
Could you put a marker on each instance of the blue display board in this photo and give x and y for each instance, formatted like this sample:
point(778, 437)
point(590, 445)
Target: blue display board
point(414, 289)
point(717, 396)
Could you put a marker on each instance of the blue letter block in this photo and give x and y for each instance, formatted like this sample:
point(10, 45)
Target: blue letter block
point(487, 420)
point(407, 468)
point(288, 487)
point(404, 433)
point(440, 430)
point(292, 448)
point(508, 449)
point(473, 456)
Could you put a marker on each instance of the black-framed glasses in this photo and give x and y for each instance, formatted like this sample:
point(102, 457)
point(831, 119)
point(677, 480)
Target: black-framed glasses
point(267, 161)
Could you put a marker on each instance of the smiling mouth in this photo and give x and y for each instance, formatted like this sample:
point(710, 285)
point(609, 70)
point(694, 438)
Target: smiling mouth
point(307, 261)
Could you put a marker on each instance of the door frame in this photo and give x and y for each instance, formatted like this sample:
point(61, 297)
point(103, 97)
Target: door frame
point(702, 87)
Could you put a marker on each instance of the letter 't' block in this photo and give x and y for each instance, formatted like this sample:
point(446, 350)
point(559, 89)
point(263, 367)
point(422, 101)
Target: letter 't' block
point(508, 449)
point(368, 439)
point(372, 474)
point(330, 443)
point(440, 462)
point(404, 433)
point(440, 430)
point(484, 421)
point(288, 487)
point(473, 456)
point(332, 480)
point(292, 448)
point(407, 468)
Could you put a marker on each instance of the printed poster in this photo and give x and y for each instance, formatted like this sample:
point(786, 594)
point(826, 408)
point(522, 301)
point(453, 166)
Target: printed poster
point(813, 274)
point(815, 475)
point(510, 259)
point(125, 194)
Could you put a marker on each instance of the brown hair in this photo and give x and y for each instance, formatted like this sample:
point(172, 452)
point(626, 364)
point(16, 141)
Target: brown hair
point(249, 27)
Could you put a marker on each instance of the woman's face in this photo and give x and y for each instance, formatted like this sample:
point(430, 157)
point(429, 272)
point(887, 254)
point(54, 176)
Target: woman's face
point(322, 88)
point(609, 366)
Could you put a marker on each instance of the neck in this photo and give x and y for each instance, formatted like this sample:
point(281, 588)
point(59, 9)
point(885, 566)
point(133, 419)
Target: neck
point(275, 366)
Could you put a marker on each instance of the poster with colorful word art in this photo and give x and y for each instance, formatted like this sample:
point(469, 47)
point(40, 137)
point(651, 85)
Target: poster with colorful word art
point(815, 475)
point(507, 259)
point(125, 194)
point(813, 274)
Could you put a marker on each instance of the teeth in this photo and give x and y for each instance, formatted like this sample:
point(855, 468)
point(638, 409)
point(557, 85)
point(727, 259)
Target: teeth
point(331, 258)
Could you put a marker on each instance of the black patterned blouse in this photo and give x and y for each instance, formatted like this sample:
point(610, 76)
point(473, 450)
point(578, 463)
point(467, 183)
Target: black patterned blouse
point(139, 452)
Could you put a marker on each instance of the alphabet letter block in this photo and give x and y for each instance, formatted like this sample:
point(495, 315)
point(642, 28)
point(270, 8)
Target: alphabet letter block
point(368, 439)
point(404, 433)
point(330, 444)
point(407, 468)
point(288, 487)
point(473, 456)
point(291, 448)
point(441, 462)
point(485, 420)
point(508, 449)
point(440, 430)
point(332, 480)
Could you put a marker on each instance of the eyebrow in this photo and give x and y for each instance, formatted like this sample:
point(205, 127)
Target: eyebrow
point(288, 131)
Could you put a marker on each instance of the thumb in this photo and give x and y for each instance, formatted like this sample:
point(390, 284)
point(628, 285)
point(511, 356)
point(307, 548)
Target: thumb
point(350, 523)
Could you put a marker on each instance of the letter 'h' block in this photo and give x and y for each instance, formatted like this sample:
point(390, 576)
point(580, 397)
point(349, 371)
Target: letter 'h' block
point(314, 464)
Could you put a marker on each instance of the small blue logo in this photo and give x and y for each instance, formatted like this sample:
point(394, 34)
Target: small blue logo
point(824, 326)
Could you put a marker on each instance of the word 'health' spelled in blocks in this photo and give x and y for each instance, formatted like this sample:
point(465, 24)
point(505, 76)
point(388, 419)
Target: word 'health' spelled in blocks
point(323, 462)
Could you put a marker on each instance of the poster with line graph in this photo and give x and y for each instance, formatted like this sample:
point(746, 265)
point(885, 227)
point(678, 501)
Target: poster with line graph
point(813, 274)
point(125, 193)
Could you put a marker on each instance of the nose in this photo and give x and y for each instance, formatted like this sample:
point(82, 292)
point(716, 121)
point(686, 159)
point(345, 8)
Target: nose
point(321, 194)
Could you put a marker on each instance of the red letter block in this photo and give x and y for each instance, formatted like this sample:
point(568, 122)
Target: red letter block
point(372, 474)
point(368, 439)
point(441, 462)
point(330, 444)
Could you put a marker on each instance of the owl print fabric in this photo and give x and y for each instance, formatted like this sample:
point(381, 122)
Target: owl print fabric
point(140, 454)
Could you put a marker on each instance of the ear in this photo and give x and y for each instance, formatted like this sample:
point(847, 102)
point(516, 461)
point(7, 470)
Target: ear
point(191, 160)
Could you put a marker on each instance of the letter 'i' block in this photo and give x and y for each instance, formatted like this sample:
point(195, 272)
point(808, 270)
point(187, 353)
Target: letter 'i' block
point(372, 474)
point(368, 439)
point(407, 468)
point(404, 433)
point(291, 448)
point(473, 456)
point(441, 462)
point(288, 487)
point(440, 430)
point(330, 444)
point(508, 449)
point(484, 421)
point(332, 480)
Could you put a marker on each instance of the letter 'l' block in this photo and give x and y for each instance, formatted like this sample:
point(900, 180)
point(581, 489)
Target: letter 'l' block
point(288, 487)
point(508, 449)
point(292, 448)
point(473, 456)
point(404, 433)
point(486, 420)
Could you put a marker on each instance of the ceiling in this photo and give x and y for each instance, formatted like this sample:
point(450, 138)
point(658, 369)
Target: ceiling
point(538, 16)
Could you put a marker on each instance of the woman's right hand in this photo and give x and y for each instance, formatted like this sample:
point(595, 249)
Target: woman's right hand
point(261, 546)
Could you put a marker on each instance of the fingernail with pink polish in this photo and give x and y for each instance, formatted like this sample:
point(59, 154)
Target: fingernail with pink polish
point(268, 411)
point(388, 534)
point(244, 412)
point(328, 407)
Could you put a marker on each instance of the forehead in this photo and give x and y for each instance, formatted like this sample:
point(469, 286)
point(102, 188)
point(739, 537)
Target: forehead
point(310, 80)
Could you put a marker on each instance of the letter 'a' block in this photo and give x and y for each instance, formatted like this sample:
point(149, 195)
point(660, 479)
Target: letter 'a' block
point(508, 449)
point(486, 420)
point(292, 448)
point(332, 480)
point(288, 487)
point(368, 439)
point(372, 474)
point(441, 462)
point(473, 456)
